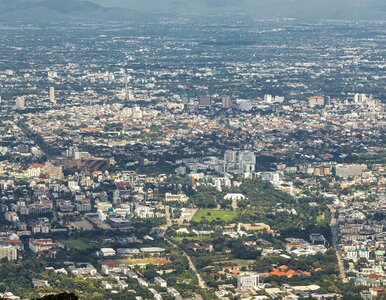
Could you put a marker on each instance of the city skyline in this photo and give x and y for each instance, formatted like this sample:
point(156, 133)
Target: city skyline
point(192, 150)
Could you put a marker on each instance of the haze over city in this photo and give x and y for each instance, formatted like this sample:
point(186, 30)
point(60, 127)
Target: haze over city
point(120, 9)
point(192, 150)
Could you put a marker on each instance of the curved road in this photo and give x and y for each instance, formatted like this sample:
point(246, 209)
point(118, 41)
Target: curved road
point(201, 282)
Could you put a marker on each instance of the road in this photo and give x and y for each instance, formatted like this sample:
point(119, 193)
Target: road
point(334, 231)
point(169, 223)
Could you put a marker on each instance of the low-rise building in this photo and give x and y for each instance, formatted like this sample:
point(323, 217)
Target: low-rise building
point(161, 282)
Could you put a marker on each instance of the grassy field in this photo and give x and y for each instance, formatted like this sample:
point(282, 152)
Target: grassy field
point(213, 214)
point(76, 244)
point(237, 262)
point(179, 239)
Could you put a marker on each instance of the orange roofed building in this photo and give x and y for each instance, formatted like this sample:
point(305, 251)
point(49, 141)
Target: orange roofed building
point(284, 271)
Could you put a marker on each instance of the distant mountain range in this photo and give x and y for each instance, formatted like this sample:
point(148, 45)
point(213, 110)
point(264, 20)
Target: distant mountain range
point(45, 10)
point(41, 10)
point(301, 9)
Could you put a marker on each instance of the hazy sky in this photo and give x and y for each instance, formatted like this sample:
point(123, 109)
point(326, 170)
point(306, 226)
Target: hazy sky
point(301, 9)
point(359, 9)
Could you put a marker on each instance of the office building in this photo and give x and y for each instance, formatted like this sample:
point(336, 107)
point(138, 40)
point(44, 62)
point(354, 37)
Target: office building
point(360, 98)
point(349, 170)
point(239, 162)
point(247, 281)
point(205, 101)
point(226, 102)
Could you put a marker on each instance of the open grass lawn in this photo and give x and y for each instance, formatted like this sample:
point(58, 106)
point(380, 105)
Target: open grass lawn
point(76, 244)
point(237, 262)
point(214, 214)
point(179, 239)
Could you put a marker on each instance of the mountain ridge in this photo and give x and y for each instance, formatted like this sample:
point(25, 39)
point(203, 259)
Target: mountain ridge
point(45, 10)
point(301, 9)
point(40, 10)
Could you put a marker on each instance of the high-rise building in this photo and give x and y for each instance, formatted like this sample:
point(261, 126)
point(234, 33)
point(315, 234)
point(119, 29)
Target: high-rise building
point(247, 161)
point(230, 156)
point(360, 98)
point(52, 94)
point(205, 101)
point(20, 102)
point(9, 252)
point(268, 98)
point(328, 101)
point(239, 162)
point(226, 102)
point(315, 101)
point(126, 88)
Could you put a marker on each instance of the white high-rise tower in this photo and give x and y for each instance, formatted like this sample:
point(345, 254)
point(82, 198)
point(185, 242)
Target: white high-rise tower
point(52, 94)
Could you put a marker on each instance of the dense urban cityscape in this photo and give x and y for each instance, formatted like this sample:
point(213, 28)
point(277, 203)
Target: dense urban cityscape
point(193, 159)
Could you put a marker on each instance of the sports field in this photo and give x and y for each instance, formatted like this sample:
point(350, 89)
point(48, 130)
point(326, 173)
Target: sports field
point(75, 244)
point(214, 214)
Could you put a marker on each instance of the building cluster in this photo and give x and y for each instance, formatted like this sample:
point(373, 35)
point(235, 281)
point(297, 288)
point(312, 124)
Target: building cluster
point(100, 135)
